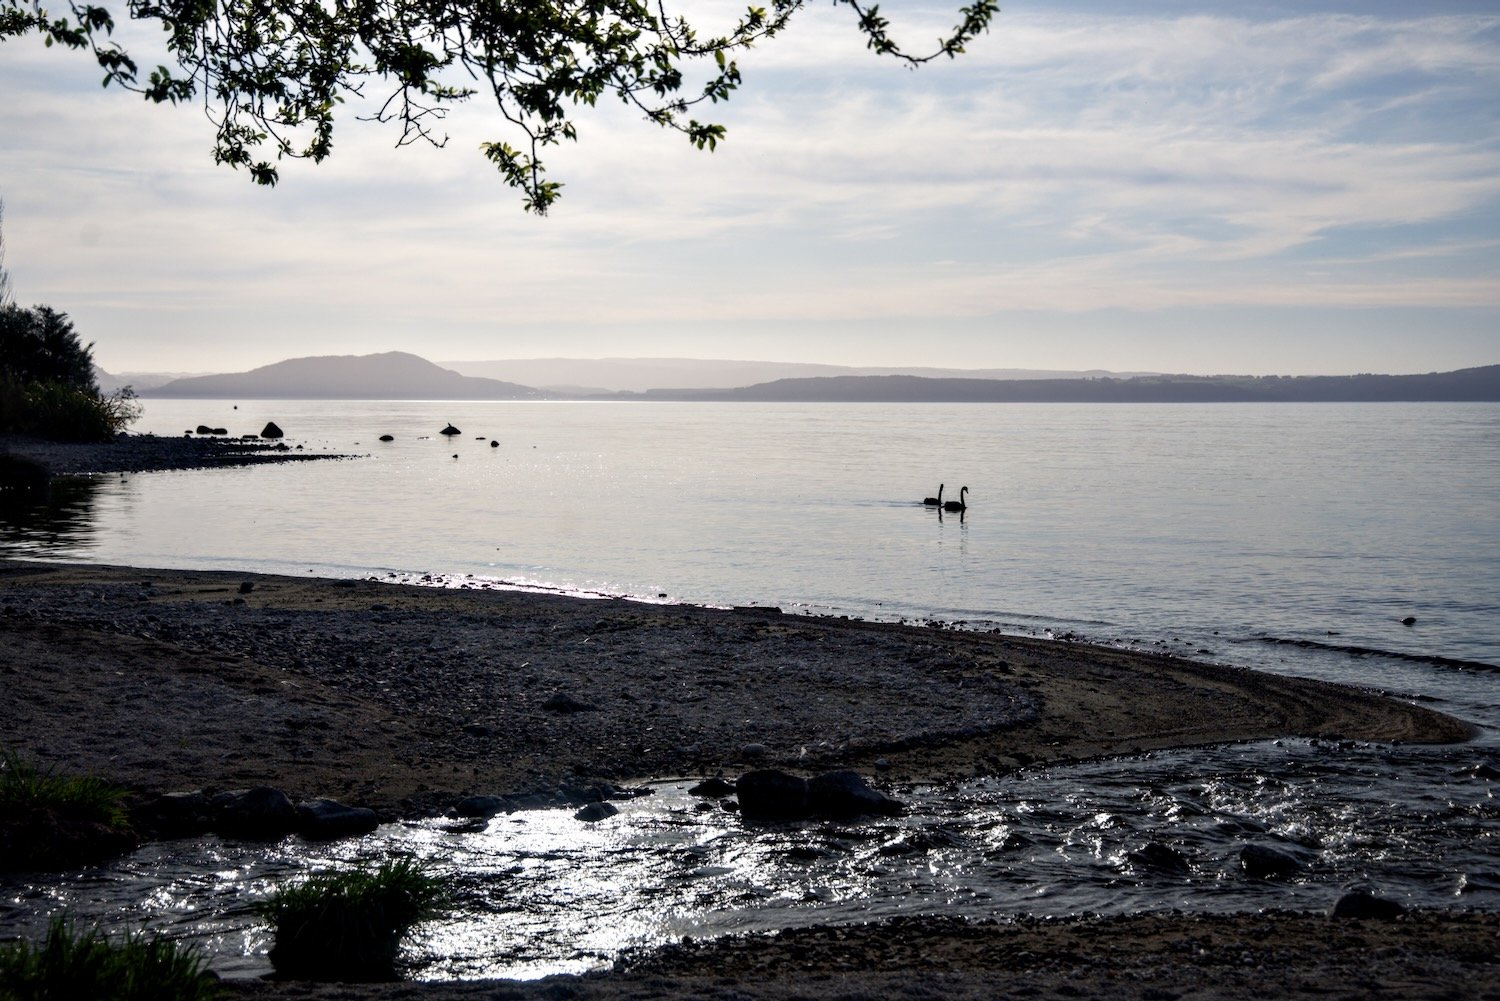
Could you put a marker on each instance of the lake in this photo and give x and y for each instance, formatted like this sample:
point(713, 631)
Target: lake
point(1214, 527)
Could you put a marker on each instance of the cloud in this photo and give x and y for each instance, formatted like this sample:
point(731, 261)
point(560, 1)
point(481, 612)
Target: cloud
point(1070, 161)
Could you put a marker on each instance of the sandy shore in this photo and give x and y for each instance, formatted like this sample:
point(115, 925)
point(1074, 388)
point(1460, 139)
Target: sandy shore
point(405, 698)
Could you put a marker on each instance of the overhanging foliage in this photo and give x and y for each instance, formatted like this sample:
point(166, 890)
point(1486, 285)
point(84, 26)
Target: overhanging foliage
point(271, 73)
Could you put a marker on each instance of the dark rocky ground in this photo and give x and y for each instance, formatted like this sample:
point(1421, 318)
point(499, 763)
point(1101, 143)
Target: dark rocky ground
point(138, 453)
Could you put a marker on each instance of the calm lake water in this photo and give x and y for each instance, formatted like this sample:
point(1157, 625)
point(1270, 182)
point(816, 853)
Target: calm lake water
point(1219, 526)
point(1293, 538)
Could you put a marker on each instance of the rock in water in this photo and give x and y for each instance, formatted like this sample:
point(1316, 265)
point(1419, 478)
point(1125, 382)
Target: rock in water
point(596, 812)
point(260, 813)
point(450, 431)
point(271, 431)
point(769, 794)
point(326, 819)
point(1359, 904)
point(1261, 862)
point(1157, 857)
point(842, 795)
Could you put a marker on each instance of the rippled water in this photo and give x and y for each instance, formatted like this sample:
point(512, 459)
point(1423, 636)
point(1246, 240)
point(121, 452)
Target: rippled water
point(1286, 538)
point(540, 892)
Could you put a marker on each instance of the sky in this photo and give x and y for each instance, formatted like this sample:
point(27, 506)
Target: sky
point(1256, 188)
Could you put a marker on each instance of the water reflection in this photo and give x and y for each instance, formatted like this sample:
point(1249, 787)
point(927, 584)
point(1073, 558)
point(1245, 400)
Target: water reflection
point(52, 520)
point(542, 892)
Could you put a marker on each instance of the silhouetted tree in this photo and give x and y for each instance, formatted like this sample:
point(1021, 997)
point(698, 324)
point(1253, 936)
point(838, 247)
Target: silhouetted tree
point(5, 294)
point(270, 73)
point(40, 345)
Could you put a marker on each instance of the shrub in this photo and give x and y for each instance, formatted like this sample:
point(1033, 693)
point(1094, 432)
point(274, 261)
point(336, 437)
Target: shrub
point(349, 925)
point(51, 821)
point(62, 412)
point(71, 964)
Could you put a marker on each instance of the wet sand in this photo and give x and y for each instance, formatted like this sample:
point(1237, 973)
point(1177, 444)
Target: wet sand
point(405, 698)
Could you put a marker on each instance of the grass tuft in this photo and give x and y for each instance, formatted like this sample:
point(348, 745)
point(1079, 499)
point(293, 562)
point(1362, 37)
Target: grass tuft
point(73, 964)
point(348, 926)
point(50, 821)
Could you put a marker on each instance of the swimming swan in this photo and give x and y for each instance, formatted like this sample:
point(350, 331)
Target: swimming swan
point(959, 504)
point(935, 501)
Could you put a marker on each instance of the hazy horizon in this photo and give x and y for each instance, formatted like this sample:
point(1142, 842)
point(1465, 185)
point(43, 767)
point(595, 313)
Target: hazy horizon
point(1153, 186)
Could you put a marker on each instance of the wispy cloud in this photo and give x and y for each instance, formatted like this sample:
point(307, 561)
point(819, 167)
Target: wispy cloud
point(1068, 162)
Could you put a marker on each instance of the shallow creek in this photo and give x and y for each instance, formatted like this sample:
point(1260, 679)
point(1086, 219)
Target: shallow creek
point(540, 892)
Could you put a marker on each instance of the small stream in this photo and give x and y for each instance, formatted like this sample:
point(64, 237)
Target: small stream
point(540, 892)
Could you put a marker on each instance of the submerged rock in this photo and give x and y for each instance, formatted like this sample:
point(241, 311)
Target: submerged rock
point(1262, 862)
point(1157, 857)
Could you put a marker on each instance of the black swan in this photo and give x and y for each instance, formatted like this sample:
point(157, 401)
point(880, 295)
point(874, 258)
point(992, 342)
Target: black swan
point(935, 501)
point(959, 504)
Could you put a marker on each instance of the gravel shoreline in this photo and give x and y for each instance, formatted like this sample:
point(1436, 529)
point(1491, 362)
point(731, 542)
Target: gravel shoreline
point(144, 453)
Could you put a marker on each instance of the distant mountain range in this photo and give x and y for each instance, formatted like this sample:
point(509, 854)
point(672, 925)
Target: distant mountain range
point(394, 375)
point(1470, 384)
point(397, 375)
point(575, 377)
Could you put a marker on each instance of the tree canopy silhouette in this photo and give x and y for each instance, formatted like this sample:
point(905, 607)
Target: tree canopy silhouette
point(271, 73)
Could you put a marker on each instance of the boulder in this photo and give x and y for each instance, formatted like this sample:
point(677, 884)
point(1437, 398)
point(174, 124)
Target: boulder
point(712, 788)
point(326, 819)
point(481, 807)
point(272, 431)
point(595, 812)
point(173, 815)
point(769, 794)
point(843, 795)
point(387, 437)
point(205, 429)
point(262, 814)
point(1159, 858)
point(1360, 904)
point(1263, 862)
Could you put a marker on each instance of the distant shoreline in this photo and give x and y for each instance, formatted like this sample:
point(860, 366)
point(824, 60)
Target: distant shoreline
point(397, 375)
